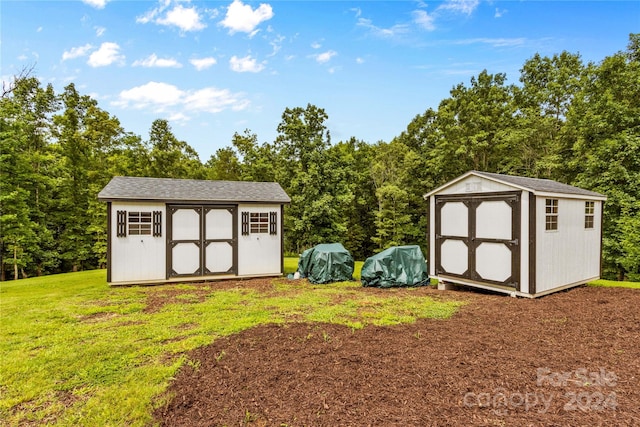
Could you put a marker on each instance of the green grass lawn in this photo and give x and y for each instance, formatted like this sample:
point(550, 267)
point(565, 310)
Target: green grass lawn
point(74, 351)
point(615, 284)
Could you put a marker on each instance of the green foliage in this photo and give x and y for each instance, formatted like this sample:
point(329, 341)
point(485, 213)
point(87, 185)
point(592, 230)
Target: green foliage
point(605, 117)
point(224, 165)
point(170, 157)
point(304, 169)
point(568, 121)
point(540, 138)
point(74, 351)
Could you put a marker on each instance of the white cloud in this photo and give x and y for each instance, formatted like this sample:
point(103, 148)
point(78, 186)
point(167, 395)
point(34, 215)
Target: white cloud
point(100, 31)
point(460, 6)
point(214, 100)
point(499, 42)
point(107, 54)
point(394, 31)
point(151, 15)
point(241, 17)
point(185, 18)
point(359, 60)
point(499, 13)
point(152, 94)
point(424, 20)
point(246, 64)
point(76, 52)
point(276, 44)
point(203, 63)
point(163, 97)
point(154, 61)
point(324, 57)
point(420, 18)
point(180, 118)
point(316, 45)
point(98, 4)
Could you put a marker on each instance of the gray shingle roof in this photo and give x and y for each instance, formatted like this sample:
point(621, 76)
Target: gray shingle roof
point(537, 184)
point(192, 190)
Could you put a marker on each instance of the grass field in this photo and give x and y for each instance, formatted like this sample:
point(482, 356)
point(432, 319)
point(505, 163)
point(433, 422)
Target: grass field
point(615, 284)
point(74, 351)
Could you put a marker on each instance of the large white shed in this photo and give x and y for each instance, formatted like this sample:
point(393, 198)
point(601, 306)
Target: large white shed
point(165, 230)
point(522, 236)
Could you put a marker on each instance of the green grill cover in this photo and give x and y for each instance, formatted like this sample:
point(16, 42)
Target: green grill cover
point(326, 263)
point(396, 266)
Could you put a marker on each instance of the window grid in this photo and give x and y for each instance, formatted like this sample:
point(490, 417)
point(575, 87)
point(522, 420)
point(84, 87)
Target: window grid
point(551, 210)
point(139, 223)
point(589, 213)
point(259, 222)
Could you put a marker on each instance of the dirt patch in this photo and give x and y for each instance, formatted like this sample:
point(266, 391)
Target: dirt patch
point(98, 317)
point(159, 296)
point(571, 358)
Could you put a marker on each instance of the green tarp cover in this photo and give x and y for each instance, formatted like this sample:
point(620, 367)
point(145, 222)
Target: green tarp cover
point(396, 266)
point(326, 263)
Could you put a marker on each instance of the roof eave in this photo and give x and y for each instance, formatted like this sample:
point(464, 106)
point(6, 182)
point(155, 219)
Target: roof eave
point(561, 195)
point(191, 201)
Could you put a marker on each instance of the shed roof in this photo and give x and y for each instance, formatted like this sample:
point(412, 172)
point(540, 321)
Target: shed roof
point(535, 185)
point(191, 190)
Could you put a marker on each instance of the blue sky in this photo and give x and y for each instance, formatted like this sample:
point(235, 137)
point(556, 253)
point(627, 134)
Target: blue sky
point(213, 68)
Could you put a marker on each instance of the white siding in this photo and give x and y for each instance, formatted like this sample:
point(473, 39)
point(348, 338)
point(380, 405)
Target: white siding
point(259, 253)
point(571, 253)
point(475, 184)
point(137, 258)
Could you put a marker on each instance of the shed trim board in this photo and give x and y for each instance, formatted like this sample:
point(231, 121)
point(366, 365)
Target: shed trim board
point(192, 239)
point(473, 240)
point(537, 186)
point(201, 242)
point(532, 244)
point(521, 255)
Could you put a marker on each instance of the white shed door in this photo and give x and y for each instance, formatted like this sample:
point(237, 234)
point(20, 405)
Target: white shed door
point(477, 237)
point(202, 240)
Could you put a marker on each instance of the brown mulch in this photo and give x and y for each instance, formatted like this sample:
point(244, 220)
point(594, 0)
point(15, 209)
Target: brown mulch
point(567, 359)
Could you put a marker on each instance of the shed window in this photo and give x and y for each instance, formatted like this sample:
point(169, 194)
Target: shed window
point(589, 212)
point(259, 222)
point(139, 223)
point(551, 210)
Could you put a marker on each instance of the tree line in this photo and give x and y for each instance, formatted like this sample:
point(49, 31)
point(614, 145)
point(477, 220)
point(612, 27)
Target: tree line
point(567, 120)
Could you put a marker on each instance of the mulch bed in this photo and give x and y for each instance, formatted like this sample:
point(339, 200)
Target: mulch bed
point(567, 359)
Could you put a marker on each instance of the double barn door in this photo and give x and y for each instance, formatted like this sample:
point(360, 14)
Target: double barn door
point(202, 240)
point(478, 237)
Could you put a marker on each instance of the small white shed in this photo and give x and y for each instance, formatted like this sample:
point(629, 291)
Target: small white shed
point(165, 230)
point(522, 236)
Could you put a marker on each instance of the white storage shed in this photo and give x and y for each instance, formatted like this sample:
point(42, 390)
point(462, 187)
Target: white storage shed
point(166, 230)
point(522, 236)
